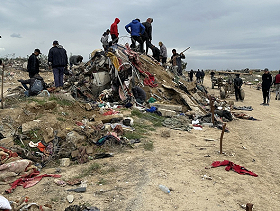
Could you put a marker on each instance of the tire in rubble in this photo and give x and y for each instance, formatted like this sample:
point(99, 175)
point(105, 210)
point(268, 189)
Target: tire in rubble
point(222, 93)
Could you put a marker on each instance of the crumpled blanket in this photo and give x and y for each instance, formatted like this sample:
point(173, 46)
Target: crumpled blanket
point(12, 166)
point(30, 180)
point(110, 135)
point(231, 166)
point(13, 170)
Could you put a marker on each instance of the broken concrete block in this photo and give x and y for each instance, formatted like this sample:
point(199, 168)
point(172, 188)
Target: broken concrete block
point(66, 96)
point(75, 153)
point(74, 137)
point(165, 133)
point(50, 105)
point(190, 113)
point(48, 134)
point(65, 162)
point(32, 125)
point(168, 106)
point(88, 107)
point(108, 119)
point(7, 142)
point(89, 150)
point(166, 112)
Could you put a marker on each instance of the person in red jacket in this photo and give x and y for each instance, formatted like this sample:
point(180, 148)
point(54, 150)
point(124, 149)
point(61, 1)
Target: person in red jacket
point(277, 86)
point(114, 31)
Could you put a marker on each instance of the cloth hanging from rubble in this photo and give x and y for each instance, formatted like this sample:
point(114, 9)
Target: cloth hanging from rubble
point(231, 166)
point(114, 60)
point(149, 78)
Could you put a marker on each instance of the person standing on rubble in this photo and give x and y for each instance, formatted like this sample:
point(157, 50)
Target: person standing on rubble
point(147, 36)
point(58, 60)
point(266, 84)
point(237, 83)
point(177, 62)
point(163, 53)
point(105, 40)
point(136, 29)
point(33, 63)
point(156, 52)
point(114, 31)
point(277, 86)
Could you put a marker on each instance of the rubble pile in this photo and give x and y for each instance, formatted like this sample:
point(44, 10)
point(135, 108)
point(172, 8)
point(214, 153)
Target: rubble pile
point(91, 117)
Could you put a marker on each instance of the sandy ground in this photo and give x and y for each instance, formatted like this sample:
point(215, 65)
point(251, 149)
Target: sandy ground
point(179, 163)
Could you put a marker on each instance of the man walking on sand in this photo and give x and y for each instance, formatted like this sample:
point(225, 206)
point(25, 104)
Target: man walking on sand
point(58, 60)
point(237, 87)
point(266, 84)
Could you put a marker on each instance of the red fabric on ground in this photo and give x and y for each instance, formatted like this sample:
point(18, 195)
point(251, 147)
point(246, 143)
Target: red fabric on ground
point(29, 181)
point(11, 154)
point(230, 165)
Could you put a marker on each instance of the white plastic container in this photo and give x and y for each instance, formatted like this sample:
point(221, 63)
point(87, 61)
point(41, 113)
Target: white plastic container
point(164, 188)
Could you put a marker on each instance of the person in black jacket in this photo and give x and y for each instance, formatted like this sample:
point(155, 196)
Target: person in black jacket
point(147, 36)
point(156, 52)
point(266, 84)
point(58, 60)
point(237, 87)
point(36, 85)
point(198, 76)
point(33, 63)
point(191, 75)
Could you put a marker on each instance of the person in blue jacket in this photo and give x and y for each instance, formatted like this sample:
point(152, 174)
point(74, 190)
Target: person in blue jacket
point(136, 29)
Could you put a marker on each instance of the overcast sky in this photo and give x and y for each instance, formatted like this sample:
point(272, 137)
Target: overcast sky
point(222, 34)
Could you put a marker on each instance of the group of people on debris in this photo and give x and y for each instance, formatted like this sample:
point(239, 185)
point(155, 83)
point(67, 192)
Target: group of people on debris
point(57, 60)
point(140, 33)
